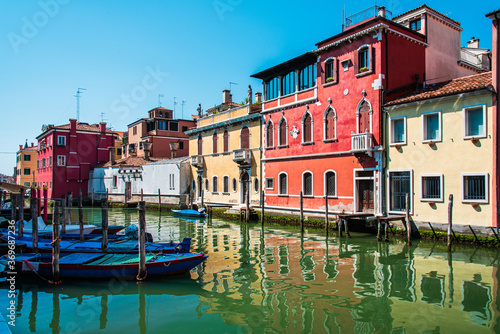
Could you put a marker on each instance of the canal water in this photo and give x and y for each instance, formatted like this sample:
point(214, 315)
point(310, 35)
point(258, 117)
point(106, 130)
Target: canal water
point(272, 279)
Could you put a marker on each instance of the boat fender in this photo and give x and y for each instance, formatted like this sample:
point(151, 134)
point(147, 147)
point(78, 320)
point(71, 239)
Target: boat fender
point(178, 248)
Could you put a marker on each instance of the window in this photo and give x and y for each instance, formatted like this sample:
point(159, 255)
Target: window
point(245, 137)
point(475, 122)
point(184, 128)
point(181, 145)
point(399, 186)
point(162, 125)
point(270, 134)
point(416, 25)
point(200, 145)
point(61, 140)
point(271, 89)
point(214, 184)
point(27, 171)
point(134, 130)
point(256, 185)
point(150, 125)
point(330, 70)
point(226, 141)
point(43, 162)
point(398, 131)
point(283, 129)
point(171, 181)
point(173, 126)
point(288, 83)
point(140, 145)
point(61, 160)
point(235, 185)
point(115, 181)
point(475, 188)
point(27, 157)
point(307, 125)
point(431, 126)
point(307, 184)
point(118, 151)
point(193, 186)
point(330, 121)
point(50, 161)
point(283, 184)
point(269, 183)
point(27, 184)
point(363, 59)
point(330, 183)
point(214, 143)
point(38, 164)
point(206, 185)
point(225, 184)
point(431, 188)
point(307, 77)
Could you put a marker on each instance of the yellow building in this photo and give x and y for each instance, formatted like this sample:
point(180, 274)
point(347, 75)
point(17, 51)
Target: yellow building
point(439, 143)
point(26, 165)
point(226, 155)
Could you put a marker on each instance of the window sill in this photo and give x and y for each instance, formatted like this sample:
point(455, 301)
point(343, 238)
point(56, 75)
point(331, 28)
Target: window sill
point(332, 197)
point(226, 193)
point(269, 188)
point(475, 202)
point(474, 139)
point(397, 146)
point(331, 83)
point(432, 200)
point(282, 195)
point(283, 146)
point(362, 74)
point(215, 193)
point(307, 143)
point(330, 140)
point(270, 148)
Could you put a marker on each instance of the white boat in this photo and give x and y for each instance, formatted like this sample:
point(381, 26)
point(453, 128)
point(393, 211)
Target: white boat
point(43, 228)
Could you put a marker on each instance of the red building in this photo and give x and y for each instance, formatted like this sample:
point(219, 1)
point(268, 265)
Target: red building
point(67, 153)
point(323, 116)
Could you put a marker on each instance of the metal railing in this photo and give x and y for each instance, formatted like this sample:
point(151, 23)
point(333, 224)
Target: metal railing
point(364, 15)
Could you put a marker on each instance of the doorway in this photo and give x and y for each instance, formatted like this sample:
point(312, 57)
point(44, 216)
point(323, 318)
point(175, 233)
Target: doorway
point(365, 194)
point(244, 184)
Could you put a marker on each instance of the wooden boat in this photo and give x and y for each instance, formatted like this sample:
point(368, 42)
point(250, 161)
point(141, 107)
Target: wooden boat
point(190, 213)
point(105, 265)
point(120, 246)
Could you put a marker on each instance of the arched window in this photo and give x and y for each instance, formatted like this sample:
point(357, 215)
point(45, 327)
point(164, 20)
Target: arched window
point(214, 142)
point(225, 182)
point(307, 183)
point(226, 141)
point(283, 186)
point(330, 121)
point(206, 185)
point(270, 134)
point(200, 145)
point(245, 137)
point(215, 181)
point(364, 119)
point(256, 185)
point(283, 132)
point(331, 183)
point(235, 185)
point(307, 125)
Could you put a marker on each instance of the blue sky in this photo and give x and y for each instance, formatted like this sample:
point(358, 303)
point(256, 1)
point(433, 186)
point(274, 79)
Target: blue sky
point(125, 53)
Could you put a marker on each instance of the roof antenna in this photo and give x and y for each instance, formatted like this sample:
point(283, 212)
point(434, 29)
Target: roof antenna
point(159, 99)
point(182, 112)
point(231, 83)
point(78, 92)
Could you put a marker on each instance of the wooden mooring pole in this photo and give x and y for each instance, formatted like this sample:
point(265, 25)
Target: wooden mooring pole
point(80, 213)
point(450, 221)
point(142, 240)
point(70, 207)
point(159, 199)
point(55, 243)
point(379, 230)
point(39, 196)
point(301, 212)
point(63, 215)
point(142, 195)
point(45, 203)
point(13, 204)
point(21, 213)
point(34, 222)
point(408, 223)
point(92, 197)
point(262, 199)
point(247, 211)
point(339, 226)
point(326, 215)
point(104, 205)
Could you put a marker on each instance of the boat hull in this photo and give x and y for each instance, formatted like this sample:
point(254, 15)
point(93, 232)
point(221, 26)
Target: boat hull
point(189, 213)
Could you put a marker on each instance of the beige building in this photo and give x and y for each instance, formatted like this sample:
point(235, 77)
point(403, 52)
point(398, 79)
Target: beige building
point(226, 155)
point(26, 165)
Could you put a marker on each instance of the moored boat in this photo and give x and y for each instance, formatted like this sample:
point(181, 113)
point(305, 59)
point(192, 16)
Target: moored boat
point(190, 213)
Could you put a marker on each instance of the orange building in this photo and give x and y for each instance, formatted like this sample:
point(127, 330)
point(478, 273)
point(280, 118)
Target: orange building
point(26, 165)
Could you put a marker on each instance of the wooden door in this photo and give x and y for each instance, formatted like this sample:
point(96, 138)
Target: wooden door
point(364, 118)
point(365, 196)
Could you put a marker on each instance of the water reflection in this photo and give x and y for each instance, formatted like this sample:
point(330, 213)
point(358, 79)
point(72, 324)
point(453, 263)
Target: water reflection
point(276, 279)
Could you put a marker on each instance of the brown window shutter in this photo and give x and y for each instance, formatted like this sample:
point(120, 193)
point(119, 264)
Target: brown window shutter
point(226, 141)
point(215, 143)
point(245, 137)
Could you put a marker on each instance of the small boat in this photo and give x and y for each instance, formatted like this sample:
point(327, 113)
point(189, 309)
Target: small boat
point(119, 246)
point(105, 265)
point(112, 230)
point(190, 213)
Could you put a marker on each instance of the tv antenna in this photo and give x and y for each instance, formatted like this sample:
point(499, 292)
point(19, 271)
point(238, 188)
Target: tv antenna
point(102, 117)
point(175, 103)
point(182, 112)
point(231, 83)
point(78, 92)
point(159, 99)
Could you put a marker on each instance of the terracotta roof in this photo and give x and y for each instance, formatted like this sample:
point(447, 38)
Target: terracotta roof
point(450, 87)
point(31, 148)
point(130, 161)
point(223, 107)
point(83, 127)
point(421, 7)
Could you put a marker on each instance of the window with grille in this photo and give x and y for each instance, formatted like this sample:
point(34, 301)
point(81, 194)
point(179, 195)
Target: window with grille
point(432, 187)
point(307, 184)
point(307, 128)
point(214, 142)
point(214, 184)
point(475, 188)
point(399, 186)
point(269, 183)
point(330, 121)
point(245, 137)
point(283, 184)
point(226, 141)
point(283, 134)
point(330, 184)
point(270, 134)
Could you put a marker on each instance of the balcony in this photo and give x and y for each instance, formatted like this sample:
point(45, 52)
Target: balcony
point(362, 143)
point(242, 156)
point(197, 161)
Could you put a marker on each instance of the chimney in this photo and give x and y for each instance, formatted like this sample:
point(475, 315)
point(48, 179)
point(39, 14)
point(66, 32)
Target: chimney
point(473, 43)
point(32, 144)
point(226, 96)
point(112, 153)
point(174, 146)
point(103, 127)
point(258, 97)
point(381, 11)
point(495, 56)
point(72, 126)
point(147, 148)
point(20, 147)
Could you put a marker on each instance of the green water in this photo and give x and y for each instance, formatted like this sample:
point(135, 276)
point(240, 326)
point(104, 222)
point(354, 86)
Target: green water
point(273, 280)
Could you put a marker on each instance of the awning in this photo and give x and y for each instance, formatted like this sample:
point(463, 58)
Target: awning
point(12, 188)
